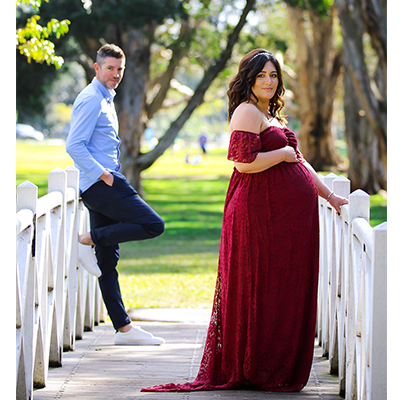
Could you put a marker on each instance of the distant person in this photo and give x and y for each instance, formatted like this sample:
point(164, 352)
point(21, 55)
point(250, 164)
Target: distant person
point(117, 213)
point(203, 140)
point(262, 329)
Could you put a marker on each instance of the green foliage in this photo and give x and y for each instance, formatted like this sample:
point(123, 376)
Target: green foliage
point(35, 4)
point(32, 39)
point(322, 7)
point(138, 13)
point(272, 31)
point(93, 19)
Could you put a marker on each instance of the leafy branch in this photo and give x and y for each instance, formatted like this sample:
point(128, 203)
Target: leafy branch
point(32, 40)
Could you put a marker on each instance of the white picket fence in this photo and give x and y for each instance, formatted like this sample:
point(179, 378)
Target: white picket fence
point(57, 300)
point(352, 321)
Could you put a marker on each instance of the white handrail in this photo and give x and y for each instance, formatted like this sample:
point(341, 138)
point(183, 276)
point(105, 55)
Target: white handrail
point(56, 299)
point(352, 294)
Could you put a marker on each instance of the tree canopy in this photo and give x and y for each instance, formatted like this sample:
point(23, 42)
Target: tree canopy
point(178, 49)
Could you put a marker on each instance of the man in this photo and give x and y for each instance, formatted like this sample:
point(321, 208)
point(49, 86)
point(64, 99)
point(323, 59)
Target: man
point(117, 213)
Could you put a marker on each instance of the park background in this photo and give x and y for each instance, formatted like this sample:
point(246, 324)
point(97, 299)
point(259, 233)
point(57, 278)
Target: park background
point(188, 51)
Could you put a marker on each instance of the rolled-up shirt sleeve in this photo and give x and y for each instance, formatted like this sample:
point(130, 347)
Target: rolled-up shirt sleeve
point(84, 117)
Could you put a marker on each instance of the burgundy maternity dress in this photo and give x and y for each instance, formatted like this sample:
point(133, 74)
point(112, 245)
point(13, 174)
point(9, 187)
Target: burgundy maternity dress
point(262, 326)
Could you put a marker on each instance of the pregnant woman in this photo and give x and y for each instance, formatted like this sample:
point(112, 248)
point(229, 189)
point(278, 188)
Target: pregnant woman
point(262, 327)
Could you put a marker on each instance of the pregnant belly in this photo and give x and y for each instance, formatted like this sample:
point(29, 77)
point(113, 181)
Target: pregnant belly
point(293, 182)
point(286, 188)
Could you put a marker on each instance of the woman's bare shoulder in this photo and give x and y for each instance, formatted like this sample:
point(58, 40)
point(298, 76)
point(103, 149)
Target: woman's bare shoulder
point(247, 118)
point(247, 108)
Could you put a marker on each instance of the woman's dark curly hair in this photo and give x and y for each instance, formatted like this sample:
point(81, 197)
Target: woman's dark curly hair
point(240, 87)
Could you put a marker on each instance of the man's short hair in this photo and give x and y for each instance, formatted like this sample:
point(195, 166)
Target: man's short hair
point(109, 50)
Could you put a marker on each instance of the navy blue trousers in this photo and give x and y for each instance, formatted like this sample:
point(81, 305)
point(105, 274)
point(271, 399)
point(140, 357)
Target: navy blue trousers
point(117, 214)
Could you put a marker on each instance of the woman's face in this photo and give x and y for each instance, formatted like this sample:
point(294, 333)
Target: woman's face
point(266, 83)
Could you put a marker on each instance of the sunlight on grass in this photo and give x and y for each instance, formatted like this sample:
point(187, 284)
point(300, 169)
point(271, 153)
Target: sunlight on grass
point(172, 165)
point(169, 291)
point(171, 281)
point(35, 160)
point(41, 157)
point(378, 209)
point(177, 269)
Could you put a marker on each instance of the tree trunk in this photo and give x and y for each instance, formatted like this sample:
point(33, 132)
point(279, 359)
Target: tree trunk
point(317, 67)
point(131, 99)
point(366, 135)
point(366, 170)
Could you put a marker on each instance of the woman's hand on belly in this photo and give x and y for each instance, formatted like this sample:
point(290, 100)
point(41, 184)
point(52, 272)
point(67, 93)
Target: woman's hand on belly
point(266, 160)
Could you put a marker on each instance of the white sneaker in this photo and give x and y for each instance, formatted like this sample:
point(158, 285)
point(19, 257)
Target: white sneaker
point(137, 337)
point(88, 259)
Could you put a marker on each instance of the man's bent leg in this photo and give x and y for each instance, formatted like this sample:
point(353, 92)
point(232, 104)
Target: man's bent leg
point(134, 218)
point(125, 217)
point(128, 335)
point(107, 259)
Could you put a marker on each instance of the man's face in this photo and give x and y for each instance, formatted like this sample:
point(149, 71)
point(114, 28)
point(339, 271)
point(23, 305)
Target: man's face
point(110, 72)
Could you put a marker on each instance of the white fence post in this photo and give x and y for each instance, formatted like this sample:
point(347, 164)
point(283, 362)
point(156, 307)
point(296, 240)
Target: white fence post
point(26, 296)
point(378, 334)
point(341, 186)
point(340, 265)
point(72, 228)
point(82, 278)
point(86, 289)
point(359, 207)
point(58, 183)
point(326, 229)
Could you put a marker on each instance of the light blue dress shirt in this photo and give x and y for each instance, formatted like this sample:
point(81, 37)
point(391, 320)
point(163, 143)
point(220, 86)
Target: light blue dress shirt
point(93, 141)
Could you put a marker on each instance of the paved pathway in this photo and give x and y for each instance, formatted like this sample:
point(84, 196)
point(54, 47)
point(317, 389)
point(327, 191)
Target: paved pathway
point(99, 370)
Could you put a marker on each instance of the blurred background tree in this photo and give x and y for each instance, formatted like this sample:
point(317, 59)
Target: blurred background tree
point(314, 80)
point(181, 55)
point(364, 30)
point(155, 36)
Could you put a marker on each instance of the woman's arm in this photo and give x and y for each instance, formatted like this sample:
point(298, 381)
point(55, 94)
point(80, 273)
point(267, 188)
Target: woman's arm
point(249, 119)
point(324, 191)
point(267, 160)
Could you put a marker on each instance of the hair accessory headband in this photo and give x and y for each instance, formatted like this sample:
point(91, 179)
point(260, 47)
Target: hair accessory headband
point(263, 53)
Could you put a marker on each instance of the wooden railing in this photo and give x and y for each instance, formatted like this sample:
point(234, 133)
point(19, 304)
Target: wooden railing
point(57, 300)
point(352, 294)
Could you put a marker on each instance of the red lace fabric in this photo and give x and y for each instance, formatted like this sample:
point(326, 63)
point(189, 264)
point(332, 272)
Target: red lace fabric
point(262, 326)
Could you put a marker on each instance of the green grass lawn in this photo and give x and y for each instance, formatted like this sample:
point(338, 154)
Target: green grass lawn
point(35, 160)
point(177, 269)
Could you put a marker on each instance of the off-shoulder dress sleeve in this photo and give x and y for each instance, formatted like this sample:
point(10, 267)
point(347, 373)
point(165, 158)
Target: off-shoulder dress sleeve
point(244, 146)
